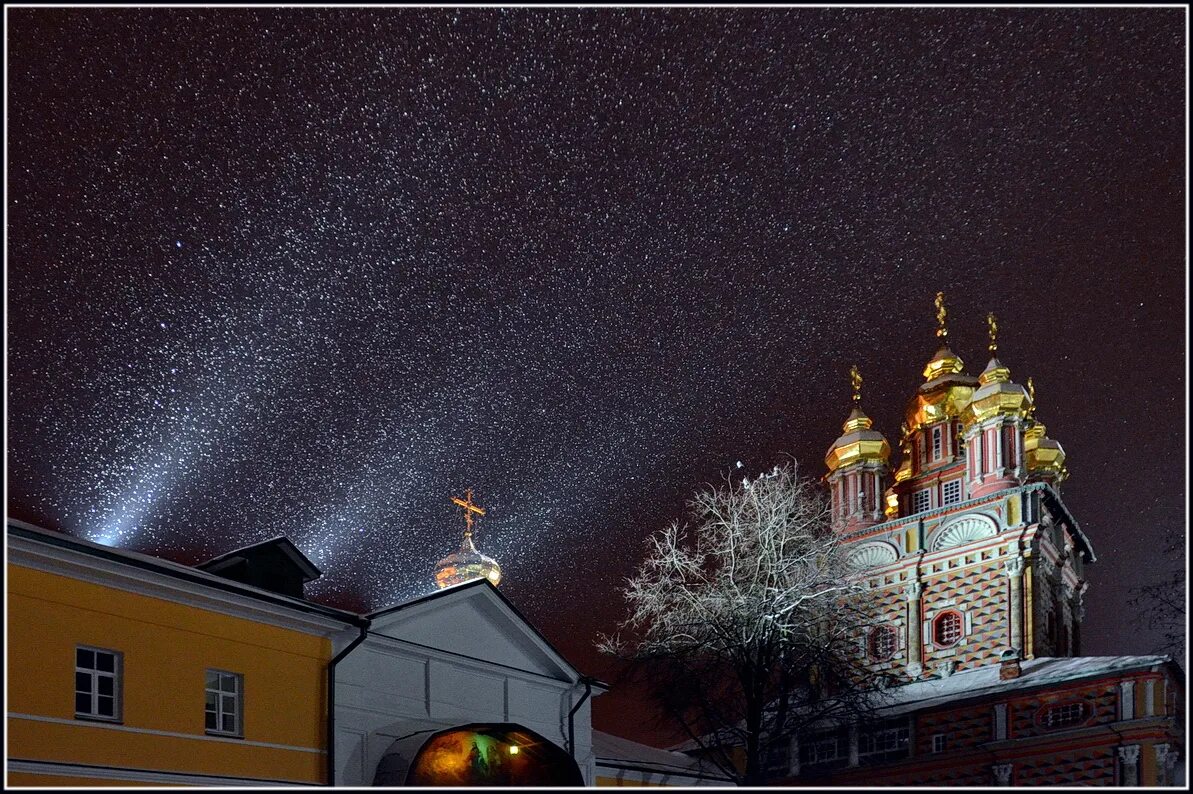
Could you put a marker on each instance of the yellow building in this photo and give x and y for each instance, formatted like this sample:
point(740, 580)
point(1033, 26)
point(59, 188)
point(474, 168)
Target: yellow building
point(128, 669)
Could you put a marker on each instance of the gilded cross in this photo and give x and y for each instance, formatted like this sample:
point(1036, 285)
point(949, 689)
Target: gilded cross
point(1031, 392)
point(941, 314)
point(992, 322)
point(855, 378)
point(469, 509)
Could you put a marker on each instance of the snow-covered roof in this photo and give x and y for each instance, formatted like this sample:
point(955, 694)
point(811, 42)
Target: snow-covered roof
point(985, 681)
point(613, 750)
point(982, 681)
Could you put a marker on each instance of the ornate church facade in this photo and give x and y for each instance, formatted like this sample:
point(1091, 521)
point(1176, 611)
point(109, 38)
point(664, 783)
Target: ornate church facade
point(976, 577)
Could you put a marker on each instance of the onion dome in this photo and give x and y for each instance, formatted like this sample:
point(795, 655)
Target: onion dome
point(1045, 456)
point(465, 565)
point(858, 443)
point(946, 389)
point(998, 394)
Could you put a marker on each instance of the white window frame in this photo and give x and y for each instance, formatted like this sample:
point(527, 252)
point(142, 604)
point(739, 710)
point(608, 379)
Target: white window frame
point(221, 696)
point(915, 500)
point(937, 443)
point(944, 492)
point(95, 675)
point(940, 742)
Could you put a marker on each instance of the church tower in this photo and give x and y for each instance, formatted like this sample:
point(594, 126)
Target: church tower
point(971, 559)
point(857, 464)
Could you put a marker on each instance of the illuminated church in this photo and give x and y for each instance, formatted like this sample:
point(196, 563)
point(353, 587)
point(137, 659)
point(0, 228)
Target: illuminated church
point(976, 575)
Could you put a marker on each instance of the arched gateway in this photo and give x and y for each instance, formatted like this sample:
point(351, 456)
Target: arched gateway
point(479, 754)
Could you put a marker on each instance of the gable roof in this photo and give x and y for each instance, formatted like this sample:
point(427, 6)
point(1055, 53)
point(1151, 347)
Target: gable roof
point(282, 543)
point(483, 588)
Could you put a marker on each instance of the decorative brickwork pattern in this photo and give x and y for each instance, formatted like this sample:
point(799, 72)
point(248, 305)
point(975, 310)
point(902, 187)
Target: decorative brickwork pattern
point(980, 591)
point(966, 728)
point(1092, 766)
point(1101, 707)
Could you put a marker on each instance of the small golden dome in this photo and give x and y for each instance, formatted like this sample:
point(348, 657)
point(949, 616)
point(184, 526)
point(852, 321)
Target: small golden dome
point(1044, 456)
point(465, 565)
point(997, 395)
point(945, 362)
point(858, 443)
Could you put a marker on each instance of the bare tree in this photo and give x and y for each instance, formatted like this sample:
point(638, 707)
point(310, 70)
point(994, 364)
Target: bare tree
point(1164, 600)
point(744, 621)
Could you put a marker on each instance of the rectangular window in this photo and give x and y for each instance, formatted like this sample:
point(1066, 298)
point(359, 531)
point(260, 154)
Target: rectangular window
point(921, 501)
point(886, 741)
point(225, 701)
point(936, 445)
point(829, 748)
point(951, 492)
point(940, 742)
point(97, 683)
point(778, 757)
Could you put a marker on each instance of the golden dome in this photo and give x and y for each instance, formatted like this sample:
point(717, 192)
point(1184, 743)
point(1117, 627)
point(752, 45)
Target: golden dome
point(465, 565)
point(946, 389)
point(858, 443)
point(1044, 456)
point(945, 362)
point(997, 395)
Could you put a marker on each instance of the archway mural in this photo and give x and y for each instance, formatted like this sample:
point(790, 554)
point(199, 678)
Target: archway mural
point(488, 754)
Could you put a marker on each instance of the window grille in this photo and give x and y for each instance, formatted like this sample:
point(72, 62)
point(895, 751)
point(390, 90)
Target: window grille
point(946, 630)
point(1063, 715)
point(936, 443)
point(921, 501)
point(883, 640)
point(952, 492)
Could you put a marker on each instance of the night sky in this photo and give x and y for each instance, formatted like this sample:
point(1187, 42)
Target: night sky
point(312, 272)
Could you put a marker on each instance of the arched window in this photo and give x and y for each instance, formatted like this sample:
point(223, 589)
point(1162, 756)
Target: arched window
point(947, 628)
point(883, 641)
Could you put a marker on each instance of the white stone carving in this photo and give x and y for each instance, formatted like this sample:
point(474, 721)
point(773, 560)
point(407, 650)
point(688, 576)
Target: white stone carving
point(1013, 567)
point(1002, 773)
point(1128, 757)
point(913, 590)
point(872, 555)
point(963, 530)
point(948, 668)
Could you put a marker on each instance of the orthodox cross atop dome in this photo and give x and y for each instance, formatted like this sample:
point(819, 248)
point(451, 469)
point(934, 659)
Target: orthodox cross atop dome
point(941, 314)
point(855, 380)
point(468, 563)
point(469, 509)
point(992, 323)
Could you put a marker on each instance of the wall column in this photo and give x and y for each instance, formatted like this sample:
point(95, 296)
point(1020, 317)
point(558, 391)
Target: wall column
point(1014, 572)
point(1128, 763)
point(915, 643)
point(854, 731)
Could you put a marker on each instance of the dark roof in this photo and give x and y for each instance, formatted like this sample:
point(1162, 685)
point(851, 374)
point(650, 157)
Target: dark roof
point(175, 570)
point(282, 543)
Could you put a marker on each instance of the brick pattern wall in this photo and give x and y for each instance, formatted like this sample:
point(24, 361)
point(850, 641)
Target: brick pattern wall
point(981, 591)
point(1091, 766)
point(886, 606)
point(1101, 707)
point(966, 728)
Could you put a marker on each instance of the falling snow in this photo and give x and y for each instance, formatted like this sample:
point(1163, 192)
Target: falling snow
point(313, 272)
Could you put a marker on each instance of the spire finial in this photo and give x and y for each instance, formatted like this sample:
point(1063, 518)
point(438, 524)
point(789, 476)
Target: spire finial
point(992, 323)
point(855, 379)
point(1031, 392)
point(941, 314)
